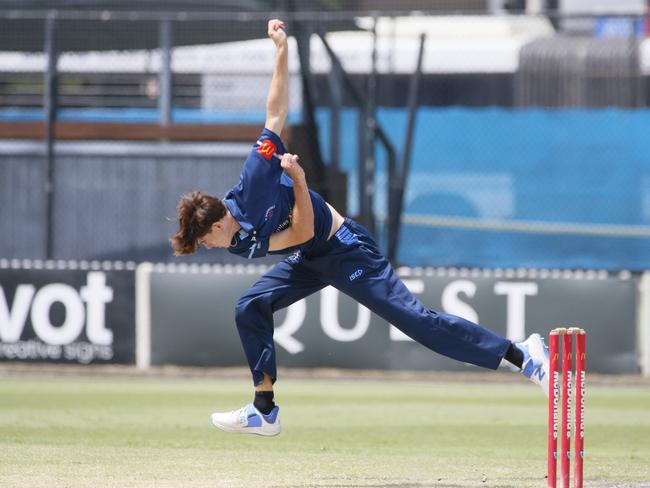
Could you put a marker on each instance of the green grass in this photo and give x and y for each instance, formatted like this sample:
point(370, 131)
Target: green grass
point(153, 432)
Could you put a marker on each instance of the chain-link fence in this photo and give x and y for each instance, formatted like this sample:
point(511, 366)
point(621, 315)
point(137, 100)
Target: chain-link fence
point(528, 144)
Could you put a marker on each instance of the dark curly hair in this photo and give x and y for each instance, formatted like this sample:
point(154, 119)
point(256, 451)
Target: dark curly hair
point(196, 214)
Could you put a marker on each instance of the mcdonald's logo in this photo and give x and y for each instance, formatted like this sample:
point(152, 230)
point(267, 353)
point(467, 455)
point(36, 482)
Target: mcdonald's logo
point(267, 149)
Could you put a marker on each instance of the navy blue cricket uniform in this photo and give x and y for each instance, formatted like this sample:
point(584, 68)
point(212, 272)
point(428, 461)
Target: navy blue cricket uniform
point(261, 203)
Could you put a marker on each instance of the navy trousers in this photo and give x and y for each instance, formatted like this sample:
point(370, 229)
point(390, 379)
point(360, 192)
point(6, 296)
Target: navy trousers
point(351, 262)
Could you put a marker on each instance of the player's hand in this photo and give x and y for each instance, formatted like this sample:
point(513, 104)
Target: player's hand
point(276, 32)
point(290, 165)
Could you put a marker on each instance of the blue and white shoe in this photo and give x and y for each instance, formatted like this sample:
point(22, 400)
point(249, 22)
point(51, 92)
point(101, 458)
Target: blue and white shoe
point(536, 364)
point(248, 420)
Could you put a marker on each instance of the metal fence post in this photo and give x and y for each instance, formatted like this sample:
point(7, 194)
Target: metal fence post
point(367, 126)
point(336, 102)
point(397, 189)
point(636, 91)
point(165, 37)
point(50, 104)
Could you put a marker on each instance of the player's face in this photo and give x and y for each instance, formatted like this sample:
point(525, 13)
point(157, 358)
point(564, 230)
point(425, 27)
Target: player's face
point(221, 233)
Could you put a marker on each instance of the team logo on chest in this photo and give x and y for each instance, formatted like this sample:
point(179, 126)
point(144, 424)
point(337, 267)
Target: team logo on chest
point(269, 212)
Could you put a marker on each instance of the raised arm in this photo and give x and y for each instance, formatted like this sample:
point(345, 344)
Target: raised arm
point(277, 102)
point(302, 215)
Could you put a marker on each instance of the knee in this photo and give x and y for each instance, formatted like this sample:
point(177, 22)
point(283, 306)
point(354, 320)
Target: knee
point(248, 308)
point(241, 308)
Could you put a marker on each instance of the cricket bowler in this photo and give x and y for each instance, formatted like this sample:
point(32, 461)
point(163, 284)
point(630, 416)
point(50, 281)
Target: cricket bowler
point(272, 211)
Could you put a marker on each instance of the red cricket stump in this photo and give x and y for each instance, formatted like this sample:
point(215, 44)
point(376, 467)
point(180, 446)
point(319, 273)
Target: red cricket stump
point(553, 401)
point(563, 383)
point(581, 352)
point(565, 444)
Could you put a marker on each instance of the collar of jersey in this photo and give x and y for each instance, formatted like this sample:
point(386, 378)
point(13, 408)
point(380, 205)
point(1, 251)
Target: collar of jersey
point(237, 214)
point(239, 236)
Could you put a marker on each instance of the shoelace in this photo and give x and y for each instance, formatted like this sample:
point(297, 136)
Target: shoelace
point(242, 415)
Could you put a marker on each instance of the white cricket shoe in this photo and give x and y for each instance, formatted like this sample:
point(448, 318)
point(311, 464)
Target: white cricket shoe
point(248, 420)
point(535, 366)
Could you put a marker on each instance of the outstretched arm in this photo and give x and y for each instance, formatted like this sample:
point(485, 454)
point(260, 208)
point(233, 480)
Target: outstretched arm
point(277, 102)
point(302, 216)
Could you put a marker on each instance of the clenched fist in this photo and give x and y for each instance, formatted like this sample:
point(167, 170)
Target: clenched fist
point(276, 32)
point(289, 163)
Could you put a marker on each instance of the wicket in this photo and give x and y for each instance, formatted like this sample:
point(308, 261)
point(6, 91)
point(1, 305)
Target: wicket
point(566, 386)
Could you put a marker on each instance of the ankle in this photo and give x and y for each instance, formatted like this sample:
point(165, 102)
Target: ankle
point(515, 356)
point(264, 401)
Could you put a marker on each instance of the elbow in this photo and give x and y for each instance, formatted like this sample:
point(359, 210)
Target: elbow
point(275, 109)
point(275, 124)
point(276, 117)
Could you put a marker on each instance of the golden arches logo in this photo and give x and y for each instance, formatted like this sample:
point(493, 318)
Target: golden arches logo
point(267, 149)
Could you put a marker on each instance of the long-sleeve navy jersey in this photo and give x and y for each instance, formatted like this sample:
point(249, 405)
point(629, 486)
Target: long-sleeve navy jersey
point(263, 199)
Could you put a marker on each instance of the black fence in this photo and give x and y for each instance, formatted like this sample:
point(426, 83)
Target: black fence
point(361, 104)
